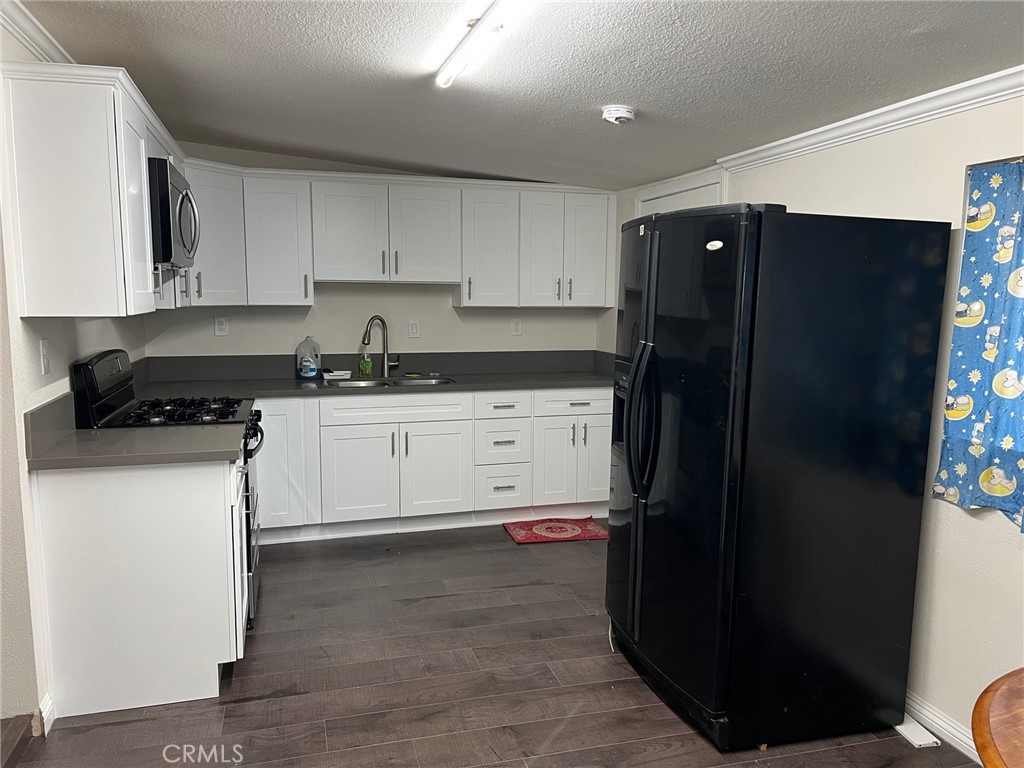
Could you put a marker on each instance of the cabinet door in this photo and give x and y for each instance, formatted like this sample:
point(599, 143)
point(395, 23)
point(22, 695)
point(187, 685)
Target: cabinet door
point(359, 472)
point(137, 235)
point(218, 275)
point(281, 463)
point(593, 465)
point(425, 225)
point(541, 248)
point(437, 467)
point(586, 250)
point(554, 460)
point(350, 232)
point(278, 241)
point(490, 248)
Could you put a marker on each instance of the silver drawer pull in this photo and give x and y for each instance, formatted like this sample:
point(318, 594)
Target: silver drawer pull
point(504, 442)
point(579, 405)
point(504, 487)
point(503, 406)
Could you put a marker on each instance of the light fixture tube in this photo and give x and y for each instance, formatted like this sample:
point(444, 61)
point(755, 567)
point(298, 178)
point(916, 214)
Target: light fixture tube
point(482, 38)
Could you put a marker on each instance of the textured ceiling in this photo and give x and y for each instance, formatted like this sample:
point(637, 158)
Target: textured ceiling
point(346, 80)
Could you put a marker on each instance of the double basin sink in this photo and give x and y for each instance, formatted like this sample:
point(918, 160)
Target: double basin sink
point(423, 381)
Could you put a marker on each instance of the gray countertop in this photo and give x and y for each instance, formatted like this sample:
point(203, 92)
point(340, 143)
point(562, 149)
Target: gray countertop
point(62, 448)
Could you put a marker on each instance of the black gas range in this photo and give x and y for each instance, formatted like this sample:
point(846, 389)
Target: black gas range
point(104, 392)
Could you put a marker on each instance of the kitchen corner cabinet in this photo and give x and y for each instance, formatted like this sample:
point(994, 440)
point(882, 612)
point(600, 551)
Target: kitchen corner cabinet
point(219, 275)
point(564, 249)
point(425, 227)
point(78, 188)
point(288, 465)
point(278, 241)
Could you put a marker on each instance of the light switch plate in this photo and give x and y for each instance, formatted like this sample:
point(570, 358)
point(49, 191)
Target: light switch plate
point(517, 326)
point(414, 329)
point(44, 356)
point(220, 326)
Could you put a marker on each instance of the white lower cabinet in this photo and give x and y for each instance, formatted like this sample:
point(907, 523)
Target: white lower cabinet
point(503, 486)
point(287, 464)
point(437, 468)
point(360, 469)
point(571, 458)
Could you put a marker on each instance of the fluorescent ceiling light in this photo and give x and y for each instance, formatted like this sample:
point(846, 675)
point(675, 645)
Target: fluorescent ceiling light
point(480, 32)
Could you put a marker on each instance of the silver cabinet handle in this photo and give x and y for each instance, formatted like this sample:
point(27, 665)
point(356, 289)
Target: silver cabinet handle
point(558, 288)
point(503, 406)
point(504, 442)
point(392, 445)
point(574, 434)
point(469, 283)
point(396, 262)
point(383, 262)
point(570, 289)
point(584, 433)
point(504, 487)
point(158, 279)
point(406, 443)
point(199, 285)
point(188, 286)
point(581, 404)
point(305, 286)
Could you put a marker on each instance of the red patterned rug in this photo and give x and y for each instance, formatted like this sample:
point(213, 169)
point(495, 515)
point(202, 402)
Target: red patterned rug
point(555, 529)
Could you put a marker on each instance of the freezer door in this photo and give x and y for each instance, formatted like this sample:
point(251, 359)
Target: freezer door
point(684, 450)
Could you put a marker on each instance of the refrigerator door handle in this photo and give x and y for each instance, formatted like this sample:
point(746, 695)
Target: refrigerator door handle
point(632, 437)
point(627, 421)
point(647, 451)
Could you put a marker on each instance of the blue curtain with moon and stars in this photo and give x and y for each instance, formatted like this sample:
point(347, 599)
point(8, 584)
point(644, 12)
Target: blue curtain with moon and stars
point(982, 460)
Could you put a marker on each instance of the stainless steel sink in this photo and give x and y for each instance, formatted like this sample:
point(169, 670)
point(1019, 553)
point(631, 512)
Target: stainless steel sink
point(420, 382)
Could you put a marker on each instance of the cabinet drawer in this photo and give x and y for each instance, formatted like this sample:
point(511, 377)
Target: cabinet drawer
point(503, 405)
point(504, 486)
point(503, 441)
point(572, 402)
point(341, 410)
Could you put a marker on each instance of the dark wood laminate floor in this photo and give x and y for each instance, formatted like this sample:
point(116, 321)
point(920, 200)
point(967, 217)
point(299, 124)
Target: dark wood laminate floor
point(436, 650)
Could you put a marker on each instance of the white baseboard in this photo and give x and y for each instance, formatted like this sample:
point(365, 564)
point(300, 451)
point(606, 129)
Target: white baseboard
point(942, 725)
point(427, 522)
point(48, 711)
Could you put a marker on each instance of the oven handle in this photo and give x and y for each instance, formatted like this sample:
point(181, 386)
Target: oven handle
point(253, 450)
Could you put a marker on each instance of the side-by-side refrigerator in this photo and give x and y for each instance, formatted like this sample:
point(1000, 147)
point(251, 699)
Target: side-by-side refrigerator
point(774, 379)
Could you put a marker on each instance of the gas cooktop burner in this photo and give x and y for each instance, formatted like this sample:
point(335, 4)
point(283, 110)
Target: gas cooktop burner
point(183, 410)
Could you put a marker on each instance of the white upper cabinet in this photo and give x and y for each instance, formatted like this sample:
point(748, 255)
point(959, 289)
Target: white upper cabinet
point(490, 248)
point(278, 241)
point(586, 250)
point(542, 241)
point(218, 275)
point(78, 186)
point(425, 234)
point(350, 232)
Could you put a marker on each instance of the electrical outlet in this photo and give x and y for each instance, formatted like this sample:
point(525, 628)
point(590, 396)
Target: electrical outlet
point(44, 356)
point(220, 326)
point(414, 329)
point(517, 326)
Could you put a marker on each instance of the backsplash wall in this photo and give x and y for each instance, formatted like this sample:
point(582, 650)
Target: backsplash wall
point(339, 316)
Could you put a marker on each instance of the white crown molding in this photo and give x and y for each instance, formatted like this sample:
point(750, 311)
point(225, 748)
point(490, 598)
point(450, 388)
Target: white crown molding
point(942, 725)
point(990, 89)
point(24, 28)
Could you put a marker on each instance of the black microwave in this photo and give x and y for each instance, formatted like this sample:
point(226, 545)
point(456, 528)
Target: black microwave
point(174, 214)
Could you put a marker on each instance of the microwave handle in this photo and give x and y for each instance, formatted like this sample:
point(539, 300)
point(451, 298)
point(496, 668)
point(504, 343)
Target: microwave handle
point(193, 208)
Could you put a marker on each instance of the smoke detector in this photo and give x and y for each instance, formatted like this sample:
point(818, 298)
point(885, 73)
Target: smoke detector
point(618, 114)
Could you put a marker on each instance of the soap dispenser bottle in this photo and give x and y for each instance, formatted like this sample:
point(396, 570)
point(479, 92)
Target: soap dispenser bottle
point(307, 360)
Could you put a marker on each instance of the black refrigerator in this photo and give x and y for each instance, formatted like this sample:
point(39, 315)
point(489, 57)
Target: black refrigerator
point(774, 376)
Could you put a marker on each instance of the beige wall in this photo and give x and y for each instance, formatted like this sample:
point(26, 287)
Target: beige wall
point(339, 316)
point(969, 620)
